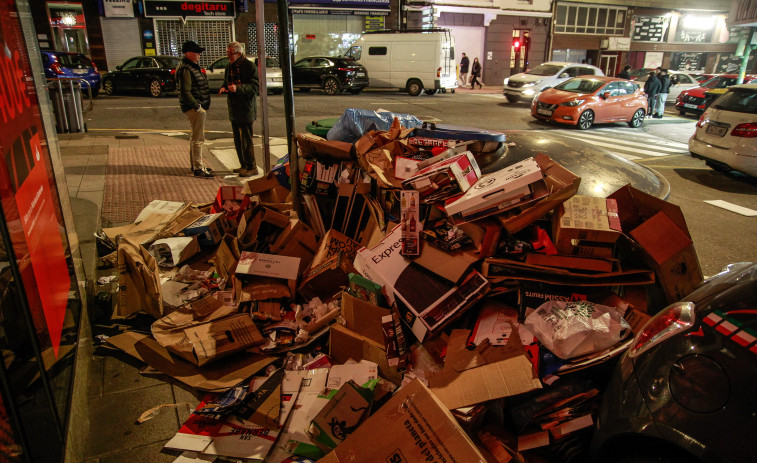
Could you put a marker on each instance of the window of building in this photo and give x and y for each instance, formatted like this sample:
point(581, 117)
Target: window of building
point(580, 18)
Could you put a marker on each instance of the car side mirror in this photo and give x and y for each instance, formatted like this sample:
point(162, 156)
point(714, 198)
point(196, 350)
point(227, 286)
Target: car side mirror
point(118, 68)
point(564, 75)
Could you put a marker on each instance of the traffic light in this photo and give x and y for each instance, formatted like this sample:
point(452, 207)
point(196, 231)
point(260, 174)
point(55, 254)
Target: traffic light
point(516, 44)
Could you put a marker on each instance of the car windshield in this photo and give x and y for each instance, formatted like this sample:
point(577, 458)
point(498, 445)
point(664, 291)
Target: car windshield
point(544, 70)
point(169, 63)
point(67, 60)
point(739, 100)
point(720, 82)
point(580, 85)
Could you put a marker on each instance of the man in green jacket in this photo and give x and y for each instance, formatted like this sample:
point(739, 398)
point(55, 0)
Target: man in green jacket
point(194, 99)
point(240, 82)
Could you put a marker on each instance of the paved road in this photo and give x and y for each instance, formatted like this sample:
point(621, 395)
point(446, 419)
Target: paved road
point(721, 236)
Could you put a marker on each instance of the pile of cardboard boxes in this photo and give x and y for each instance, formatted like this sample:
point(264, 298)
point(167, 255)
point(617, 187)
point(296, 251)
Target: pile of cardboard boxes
point(395, 306)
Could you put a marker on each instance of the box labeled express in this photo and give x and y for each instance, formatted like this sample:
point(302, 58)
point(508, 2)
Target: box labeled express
point(427, 301)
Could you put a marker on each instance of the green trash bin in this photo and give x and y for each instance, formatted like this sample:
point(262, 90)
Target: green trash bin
point(321, 127)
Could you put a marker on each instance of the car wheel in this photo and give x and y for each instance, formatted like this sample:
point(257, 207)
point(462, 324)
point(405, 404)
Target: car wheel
point(636, 119)
point(155, 88)
point(331, 86)
point(431, 91)
point(414, 87)
point(681, 112)
point(108, 87)
point(355, 91)
point(511, 98)
point(586, 119)
point(453, 90)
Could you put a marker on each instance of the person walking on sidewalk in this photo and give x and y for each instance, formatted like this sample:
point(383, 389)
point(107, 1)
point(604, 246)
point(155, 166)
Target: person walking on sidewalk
point(625, 73)
point(464, 63)
point(240, 82)
point(194, 100)
point(663, 95)
point(652, 88)
point(475, 73)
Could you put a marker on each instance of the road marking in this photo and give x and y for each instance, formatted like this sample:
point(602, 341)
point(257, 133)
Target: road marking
point(732, 207)
point(141, 107)
point(637, 147)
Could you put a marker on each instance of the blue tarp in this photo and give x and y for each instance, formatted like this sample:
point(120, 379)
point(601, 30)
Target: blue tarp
point(356, 122)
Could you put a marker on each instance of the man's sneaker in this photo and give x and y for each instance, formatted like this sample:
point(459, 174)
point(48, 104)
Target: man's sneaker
point(204, 173)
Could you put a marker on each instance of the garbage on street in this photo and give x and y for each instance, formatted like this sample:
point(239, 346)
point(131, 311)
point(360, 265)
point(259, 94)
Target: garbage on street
point(418, 310)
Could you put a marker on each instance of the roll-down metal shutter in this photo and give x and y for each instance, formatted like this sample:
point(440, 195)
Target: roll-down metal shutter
point(122, 40)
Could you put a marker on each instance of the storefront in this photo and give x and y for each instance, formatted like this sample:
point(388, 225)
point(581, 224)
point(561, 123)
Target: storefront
point(40, 301)
point(329, 27)
point(209, 23)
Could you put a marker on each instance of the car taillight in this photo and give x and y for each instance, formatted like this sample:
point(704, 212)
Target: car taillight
point(173, 71)
point(56, 67)
point(439, 72)
point(94, 67)
point(748, 130)
point(701, 122)
point(670, 321)
point(346, 69)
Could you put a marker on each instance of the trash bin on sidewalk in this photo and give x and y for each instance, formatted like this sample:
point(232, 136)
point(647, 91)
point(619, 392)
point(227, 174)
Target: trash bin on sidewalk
point(65, 95)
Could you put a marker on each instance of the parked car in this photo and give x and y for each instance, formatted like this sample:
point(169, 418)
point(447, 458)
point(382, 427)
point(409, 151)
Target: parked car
point(692, 100)
point(586, 100)
point(703, 77)
point(640, 72)
point(61, 64)
point(726, 134)
point(685, 389)
point(152, 74)
point(526, 85)
point(332, 74)
point(682, 81)
point(273, 76)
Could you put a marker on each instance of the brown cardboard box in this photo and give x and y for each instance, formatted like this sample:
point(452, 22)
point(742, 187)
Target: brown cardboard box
point(363, 317)
point(573, 263)
point(346, 344)
point(258, 225)
point(584, 222)
point(660, 230)
point(331, 266)
point(452, 266)
point(297, 240)
point(487, 373)
point(561, 184)
point(348, 408)
point(227, 257)
point(414, 426)
point(138, 281)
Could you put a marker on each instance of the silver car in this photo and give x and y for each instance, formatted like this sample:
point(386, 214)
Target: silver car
point(684, 82)
point(525, 85)
point(273, 76)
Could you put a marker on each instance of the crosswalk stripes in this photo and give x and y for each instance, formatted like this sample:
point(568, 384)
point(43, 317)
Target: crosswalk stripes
point(629, 143)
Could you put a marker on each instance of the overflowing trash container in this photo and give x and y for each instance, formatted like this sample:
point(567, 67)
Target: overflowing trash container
point(66, 97)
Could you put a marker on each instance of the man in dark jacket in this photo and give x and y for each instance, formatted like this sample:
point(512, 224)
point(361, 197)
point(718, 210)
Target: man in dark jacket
point(241, 83)
point(664, 90)
point(464, 63)
point(652, 88)
point(625, 73)
point(194, 99)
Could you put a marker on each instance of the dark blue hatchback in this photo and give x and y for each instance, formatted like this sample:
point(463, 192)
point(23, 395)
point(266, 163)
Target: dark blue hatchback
point(61, 64)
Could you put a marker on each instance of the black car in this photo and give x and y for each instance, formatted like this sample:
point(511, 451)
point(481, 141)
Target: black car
point(332, 74)
point(151, 74)
point(686, 390)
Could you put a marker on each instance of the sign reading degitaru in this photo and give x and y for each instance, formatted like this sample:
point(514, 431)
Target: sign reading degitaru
point(184, 9)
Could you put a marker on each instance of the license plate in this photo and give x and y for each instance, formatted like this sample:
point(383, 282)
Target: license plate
point(361, 74)
point(690, 106)
point(80, 71)
point(716, 130)
point(544, 112)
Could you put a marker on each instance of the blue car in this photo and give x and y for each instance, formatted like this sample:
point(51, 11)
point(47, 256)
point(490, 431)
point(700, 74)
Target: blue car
point(61, 64)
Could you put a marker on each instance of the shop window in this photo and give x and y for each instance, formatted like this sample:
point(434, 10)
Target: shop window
point(573, 18)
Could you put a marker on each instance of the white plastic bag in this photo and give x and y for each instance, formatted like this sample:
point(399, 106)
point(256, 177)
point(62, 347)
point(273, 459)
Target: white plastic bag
point(570, 329)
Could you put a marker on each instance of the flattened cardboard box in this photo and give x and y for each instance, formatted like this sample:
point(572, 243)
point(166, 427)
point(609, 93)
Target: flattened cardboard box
point(331, 266)
point(488, 373)
point(138, 280)
point(414, 426)
point(346, 344)
point(297, 240)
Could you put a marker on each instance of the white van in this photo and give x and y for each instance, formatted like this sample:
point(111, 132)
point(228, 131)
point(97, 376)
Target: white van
point(526, 85)
point(413, 61)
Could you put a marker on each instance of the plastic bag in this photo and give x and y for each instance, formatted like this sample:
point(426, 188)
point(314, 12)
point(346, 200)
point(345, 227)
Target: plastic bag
point(570, 329)
point(356, 122)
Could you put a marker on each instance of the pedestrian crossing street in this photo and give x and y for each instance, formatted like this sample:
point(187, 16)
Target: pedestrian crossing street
point(632, 144)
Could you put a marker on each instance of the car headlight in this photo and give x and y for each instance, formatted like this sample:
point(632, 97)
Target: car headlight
point(529, 84)
point(573, 103)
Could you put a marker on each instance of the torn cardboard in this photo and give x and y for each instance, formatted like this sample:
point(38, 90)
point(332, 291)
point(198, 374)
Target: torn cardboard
point(138, 281)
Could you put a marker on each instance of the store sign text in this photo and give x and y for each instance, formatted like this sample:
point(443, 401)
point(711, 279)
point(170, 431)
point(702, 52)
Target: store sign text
point(13, 97)
point(189, 8)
